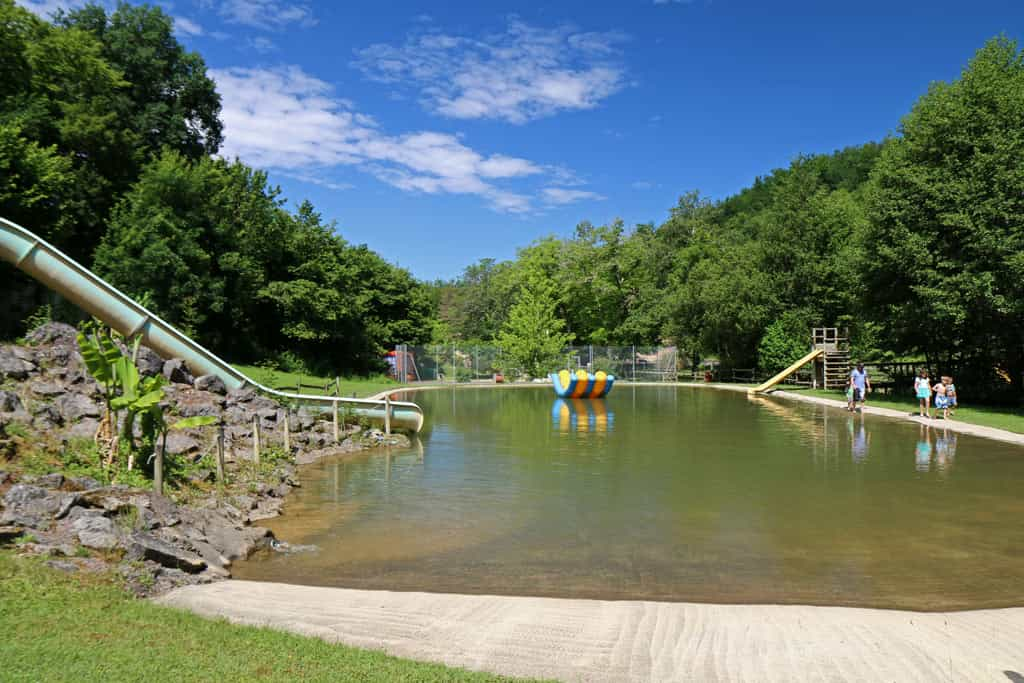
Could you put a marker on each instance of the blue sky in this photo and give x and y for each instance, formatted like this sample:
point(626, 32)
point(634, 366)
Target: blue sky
point(442, 133)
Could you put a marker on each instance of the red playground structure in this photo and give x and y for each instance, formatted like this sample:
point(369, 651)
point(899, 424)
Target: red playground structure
point(402, 366)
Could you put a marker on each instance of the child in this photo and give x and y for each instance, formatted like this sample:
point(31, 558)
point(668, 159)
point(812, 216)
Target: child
point(941, 402)
point(950, 394)
point(923, 390)
point(851, 396)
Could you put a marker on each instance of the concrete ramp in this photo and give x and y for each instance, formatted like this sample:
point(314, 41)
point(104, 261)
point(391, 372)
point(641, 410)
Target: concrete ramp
point(592, 640)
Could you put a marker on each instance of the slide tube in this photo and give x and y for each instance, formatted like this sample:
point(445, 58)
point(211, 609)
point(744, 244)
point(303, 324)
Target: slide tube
point(99, 298)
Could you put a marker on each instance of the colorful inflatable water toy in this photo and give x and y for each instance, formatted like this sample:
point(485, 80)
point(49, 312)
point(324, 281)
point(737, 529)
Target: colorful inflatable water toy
point(582, 384)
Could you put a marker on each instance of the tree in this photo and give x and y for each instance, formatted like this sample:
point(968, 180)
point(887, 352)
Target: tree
point(946, 239)
point(534, 336)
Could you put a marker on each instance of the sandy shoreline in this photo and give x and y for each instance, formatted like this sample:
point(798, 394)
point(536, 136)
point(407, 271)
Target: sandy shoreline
point(593, 640)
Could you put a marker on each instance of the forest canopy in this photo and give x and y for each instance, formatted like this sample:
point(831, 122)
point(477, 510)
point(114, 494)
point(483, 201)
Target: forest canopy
point(109, 133)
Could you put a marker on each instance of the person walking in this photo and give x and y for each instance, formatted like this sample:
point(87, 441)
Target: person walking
point(941, 401)
point(950, 394)
point(861, 385)
point(923, 391)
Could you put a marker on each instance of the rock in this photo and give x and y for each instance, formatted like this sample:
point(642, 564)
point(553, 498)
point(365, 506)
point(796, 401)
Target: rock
point(96, 532)
point(243, 395)
point(83, 429)
point(267, 509)
point(12, 367)
point(196, 403)
point(63, 565)
point(9, 533)
point(45, 416)
point(234, 542)
point(304, 420)
point(244, 502)
point(46, 389)
point(149, 362)
point(83, 483)
point(211, 383)
point(236, 415)
point(112, 499)
point(50, 481)
point(9, 402)
point(203, 476)
point(259, 403)
point(77, 513)
point(30, 506)
point(4, 477)
point(53, 333)
point(179, 443)
point(73, 407)
point(146, 546)
point(177, 372)
point(67, 502)
point(211, 555)
point(308, 457)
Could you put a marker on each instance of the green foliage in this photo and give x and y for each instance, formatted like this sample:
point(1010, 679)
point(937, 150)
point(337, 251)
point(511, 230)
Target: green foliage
point(125, 390)
point(534, 336)
point(39, 317)
point(947, 222)
point(785, 341)
point(195, 422)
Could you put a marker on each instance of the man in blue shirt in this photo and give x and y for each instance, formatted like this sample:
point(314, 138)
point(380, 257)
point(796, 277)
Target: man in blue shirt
point(860, 384)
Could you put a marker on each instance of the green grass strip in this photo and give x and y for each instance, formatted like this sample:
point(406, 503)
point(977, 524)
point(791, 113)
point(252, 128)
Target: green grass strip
point(81, 627)
point(1010, 419)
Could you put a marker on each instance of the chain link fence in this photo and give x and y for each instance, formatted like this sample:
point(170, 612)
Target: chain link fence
point(458, 363)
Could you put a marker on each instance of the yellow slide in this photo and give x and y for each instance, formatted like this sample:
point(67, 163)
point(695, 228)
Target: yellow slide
point(786, 373)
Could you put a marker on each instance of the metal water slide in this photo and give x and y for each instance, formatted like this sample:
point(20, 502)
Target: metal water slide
point(93, 294)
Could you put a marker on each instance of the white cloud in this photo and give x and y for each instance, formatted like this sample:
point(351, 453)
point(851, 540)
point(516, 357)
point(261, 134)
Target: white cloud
point(317, 180)
point(521, 74)
point(186, 27)
point(642, 185)
point(262, 44)
point(287, 120)
point(561, 195)
point(265, 14)
point(46, 8)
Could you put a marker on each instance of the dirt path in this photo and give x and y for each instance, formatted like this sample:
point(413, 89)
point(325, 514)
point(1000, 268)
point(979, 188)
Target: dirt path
point(590, 640)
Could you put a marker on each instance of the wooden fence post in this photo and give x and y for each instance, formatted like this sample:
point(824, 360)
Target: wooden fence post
point(256, 439)
point(387, 413)
point(158, 467)
point(220, 454)
point(337, 386)
point(287, 431)
point(335, 411)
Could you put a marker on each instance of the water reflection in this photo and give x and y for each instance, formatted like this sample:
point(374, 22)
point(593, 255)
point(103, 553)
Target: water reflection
point(582, 416)
point(943, 450)
point(860, 439)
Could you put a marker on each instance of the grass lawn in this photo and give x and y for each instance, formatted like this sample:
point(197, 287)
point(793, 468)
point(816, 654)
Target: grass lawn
point(79, 627)
point(311, 384)
point(1010, 419)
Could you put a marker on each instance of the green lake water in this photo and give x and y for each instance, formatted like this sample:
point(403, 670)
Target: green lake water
point(664, 493)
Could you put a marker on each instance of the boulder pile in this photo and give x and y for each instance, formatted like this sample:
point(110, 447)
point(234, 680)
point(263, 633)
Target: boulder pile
point(48, 400)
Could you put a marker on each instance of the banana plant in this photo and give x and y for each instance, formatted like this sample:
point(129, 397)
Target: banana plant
point(100, 353)
point(139, 396)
